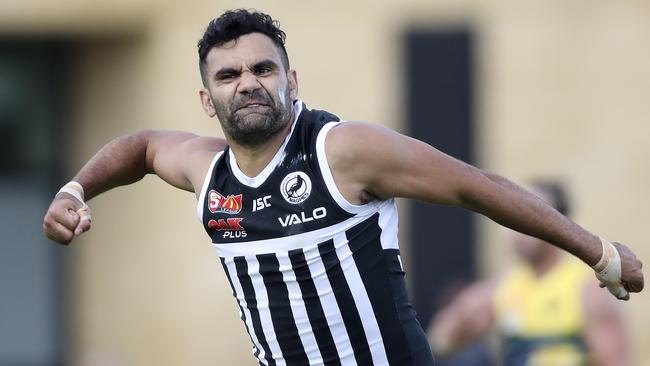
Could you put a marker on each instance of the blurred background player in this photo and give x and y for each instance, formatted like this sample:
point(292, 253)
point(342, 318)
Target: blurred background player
point(547, 310)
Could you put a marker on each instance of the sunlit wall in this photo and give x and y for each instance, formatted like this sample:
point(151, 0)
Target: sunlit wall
point(562, 90)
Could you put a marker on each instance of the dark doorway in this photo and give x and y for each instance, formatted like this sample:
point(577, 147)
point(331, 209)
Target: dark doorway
point(32, 90)
point(440, 112)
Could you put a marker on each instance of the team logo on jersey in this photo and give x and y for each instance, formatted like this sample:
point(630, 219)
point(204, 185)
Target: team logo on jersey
point(218, 203)
point(296, 187)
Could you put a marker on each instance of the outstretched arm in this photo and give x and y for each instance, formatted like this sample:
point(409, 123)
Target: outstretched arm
point(179, 158)
point(389, 164)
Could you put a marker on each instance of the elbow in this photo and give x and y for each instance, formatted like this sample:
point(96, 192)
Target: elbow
point(134, 149)
point(142, 135)
point(140, 140)
point(478, 186)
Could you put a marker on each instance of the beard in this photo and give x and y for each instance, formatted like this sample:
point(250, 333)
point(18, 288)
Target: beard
point(253, 125)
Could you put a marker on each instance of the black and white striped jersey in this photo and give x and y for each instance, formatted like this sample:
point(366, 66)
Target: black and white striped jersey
point(318, 280)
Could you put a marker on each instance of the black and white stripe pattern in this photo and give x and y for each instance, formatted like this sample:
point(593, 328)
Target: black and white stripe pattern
point(326, 287)
point(322, 304)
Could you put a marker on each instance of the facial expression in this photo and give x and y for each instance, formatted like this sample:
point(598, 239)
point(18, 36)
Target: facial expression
point(248, 89)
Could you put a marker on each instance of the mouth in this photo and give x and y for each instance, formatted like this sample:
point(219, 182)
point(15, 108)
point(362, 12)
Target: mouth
point(253, 105)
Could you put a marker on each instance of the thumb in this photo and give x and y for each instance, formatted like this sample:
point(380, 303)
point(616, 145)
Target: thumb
point(85, 220)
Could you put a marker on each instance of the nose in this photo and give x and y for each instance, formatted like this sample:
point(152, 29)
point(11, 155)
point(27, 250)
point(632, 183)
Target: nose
point(248, 82)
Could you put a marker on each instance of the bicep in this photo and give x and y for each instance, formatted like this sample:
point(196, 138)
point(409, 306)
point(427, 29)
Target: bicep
point(180, 158)
point(388, 164)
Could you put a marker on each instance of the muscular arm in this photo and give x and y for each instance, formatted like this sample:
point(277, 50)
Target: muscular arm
point(389, 164)
point(179, 158)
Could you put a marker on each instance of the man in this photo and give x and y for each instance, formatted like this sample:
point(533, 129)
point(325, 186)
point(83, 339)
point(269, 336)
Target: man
point(300, 206)
point(547, 310)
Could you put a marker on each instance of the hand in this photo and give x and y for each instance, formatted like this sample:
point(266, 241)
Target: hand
point(66, 218)
point(631, 274)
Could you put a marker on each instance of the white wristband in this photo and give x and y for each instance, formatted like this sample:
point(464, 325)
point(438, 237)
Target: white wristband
point(77, 185)
point(75, 190)
point(608, 270)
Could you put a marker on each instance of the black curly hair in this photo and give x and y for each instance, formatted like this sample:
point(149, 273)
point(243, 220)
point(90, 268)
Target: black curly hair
point(235, 23)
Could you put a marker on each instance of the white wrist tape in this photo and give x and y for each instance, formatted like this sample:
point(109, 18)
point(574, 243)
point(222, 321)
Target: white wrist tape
point(608, 270)
point(76, 190)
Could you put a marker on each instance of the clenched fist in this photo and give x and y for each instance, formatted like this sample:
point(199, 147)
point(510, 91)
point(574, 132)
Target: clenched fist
point(631, 269)
point(619, 270)
point(66, 218)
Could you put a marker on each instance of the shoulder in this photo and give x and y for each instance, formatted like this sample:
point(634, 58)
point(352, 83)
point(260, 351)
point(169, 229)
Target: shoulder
point(357, 153)
point(351, 130)
point(200, 152)
point(349, 142)
point(197, 152)
point(178, 157)
point(205, 144)
point(386, 164)
point(194, 154)
point(181, 143)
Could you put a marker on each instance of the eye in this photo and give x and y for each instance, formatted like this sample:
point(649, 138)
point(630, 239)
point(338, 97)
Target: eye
point(263, 70)
point(227, 76)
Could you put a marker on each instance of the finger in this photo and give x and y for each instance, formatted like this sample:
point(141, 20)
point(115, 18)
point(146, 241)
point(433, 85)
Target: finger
point(84, 225)
point(66, 217)
point(85, 219)
point(619, 292)
point(58, 232)
point(633, 286)
point(601, 285)
point(85, 214)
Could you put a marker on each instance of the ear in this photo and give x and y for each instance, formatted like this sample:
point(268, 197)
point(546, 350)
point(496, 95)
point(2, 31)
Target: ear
point(206, 102)
point(292, 76)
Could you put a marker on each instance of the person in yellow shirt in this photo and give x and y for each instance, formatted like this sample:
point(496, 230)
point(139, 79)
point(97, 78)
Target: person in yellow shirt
point(547, 310)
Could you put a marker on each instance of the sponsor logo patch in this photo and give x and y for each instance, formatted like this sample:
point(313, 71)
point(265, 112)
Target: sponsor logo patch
point(231, 223)
point(296, 187)
point(317, 214)
point(218, 203)
point(230, 228)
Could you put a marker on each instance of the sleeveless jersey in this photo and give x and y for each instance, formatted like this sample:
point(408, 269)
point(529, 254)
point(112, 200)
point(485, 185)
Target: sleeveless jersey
point(541, 319)
point(318, 280)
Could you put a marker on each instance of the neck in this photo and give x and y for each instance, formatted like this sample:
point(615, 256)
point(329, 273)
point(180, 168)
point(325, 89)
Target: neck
point(251, 160)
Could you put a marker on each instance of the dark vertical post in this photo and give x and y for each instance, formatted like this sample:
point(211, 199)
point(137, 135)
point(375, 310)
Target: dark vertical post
point(33, 80)
point(439, 104)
